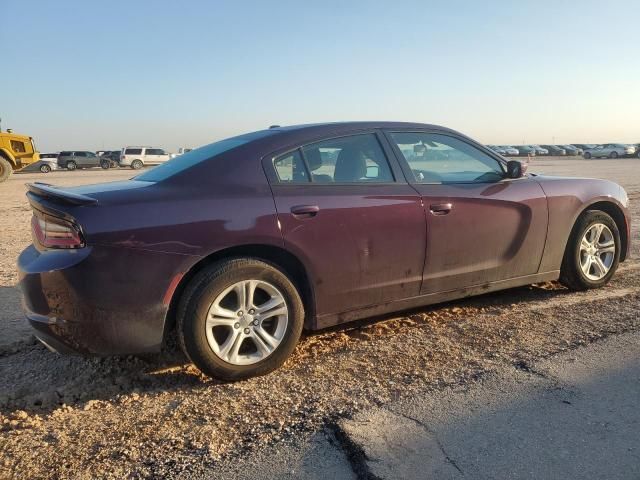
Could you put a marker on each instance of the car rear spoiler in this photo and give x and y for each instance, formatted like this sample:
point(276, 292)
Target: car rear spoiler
point(56, 195)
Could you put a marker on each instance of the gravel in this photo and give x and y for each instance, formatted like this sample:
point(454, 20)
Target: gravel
point(157, 416)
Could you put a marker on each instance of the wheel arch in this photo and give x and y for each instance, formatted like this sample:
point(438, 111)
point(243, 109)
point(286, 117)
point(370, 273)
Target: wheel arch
point(278, 256)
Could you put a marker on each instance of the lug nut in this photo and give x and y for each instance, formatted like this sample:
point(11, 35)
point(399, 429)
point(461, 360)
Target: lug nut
point(240, 313)
point(252, 311)
point(237, 325)
point(246, 331)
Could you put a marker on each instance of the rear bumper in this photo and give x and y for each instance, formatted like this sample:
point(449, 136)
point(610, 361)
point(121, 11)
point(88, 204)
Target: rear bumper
point(98, 300)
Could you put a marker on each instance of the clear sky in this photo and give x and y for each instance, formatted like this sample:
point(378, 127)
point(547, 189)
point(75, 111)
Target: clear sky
point(104, 74)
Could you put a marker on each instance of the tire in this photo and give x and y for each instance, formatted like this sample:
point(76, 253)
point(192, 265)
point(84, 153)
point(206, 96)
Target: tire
point(205, 290)
point(105, 164)
point(5, 169)
point(572, 275)
point(71, 165)
point(45, 168)
point(137, 164)
point(587, 155)
point(613, 155)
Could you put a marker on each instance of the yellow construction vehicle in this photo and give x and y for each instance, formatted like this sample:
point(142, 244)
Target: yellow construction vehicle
point(16, 151)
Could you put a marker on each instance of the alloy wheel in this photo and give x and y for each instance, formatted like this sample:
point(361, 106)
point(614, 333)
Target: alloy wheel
point(597, 251)
point(246, 322)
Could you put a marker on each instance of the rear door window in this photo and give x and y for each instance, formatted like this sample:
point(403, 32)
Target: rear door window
point(133, 151)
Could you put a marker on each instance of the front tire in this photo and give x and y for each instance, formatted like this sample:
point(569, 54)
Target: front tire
point(136, 164)
point(239, 318)
point(592, 254)
point(613, 155)
point(587, 155)
point(45, 168)
point(5, 169)
point(105, 164)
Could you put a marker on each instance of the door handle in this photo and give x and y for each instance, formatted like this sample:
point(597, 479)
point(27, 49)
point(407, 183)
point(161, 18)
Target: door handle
point(440, 208)
point(305, 210)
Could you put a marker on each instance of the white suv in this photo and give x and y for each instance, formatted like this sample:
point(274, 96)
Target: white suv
point(138, 157)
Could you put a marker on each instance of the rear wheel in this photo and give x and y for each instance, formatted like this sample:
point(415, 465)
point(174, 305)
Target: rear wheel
point(593, 252)
point(45, 168)
point(136, 164)
point(239, 318)
point(71, 165)
point(5, 169)
point(613, 155)
point(587, 155)
point(105, 164)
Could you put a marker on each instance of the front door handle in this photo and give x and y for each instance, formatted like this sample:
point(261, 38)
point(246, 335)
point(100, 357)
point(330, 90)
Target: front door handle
point(440, 208)
point(305, 210)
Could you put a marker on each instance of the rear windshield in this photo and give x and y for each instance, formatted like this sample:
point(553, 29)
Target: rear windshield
point(194, 157)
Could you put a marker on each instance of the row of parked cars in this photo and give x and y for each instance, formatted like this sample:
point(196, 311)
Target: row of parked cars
point(606, 150)
point(134, 157)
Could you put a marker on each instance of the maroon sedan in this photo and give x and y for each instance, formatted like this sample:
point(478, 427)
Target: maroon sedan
point(241, 244)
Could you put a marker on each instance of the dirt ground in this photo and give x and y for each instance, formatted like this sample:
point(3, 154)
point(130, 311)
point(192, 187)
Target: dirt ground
point(156, 416)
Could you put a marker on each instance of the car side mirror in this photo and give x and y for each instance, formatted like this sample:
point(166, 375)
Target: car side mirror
point(516, 169)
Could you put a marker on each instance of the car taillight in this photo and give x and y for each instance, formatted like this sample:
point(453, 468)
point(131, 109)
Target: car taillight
point(53, 232)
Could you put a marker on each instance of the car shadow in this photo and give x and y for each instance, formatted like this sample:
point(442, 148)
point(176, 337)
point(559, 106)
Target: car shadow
point(39, 381)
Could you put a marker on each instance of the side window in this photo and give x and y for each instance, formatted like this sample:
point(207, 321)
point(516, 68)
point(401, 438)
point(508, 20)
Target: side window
point(290, 168)
point(352, 159)
point(80, 154)
point(17, 147)
point(436, 158)
point(90, 154)
point(133, 151)
point(154, 151)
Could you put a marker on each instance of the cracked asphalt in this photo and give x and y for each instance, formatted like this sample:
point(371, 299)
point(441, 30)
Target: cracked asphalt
point(474, 387)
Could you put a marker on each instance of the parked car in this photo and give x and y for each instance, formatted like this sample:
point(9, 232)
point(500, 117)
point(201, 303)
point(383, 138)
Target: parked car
point(241, 244)
point(510, 151)
point(571, 149)
point(554, 150)
point(526, 151)
point(72, 160)
point(497, 149)
point(110, 159)
point(540, 150)
point(138, 157)
point(48, 162)
point(610, 150)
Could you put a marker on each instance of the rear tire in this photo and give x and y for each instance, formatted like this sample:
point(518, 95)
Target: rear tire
point(136, 164)
point(71, 165)
point(572, 272)
point(45, 168)
point(5, 169)
point(105, 164)
point(613, 155)
point(587, 155)
point(208, 289)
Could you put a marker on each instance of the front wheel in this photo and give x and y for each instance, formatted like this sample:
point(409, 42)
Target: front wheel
point(587, 155)
point(592, 253)
point(136, 164)
point(240, 318)
point(45, 168)
point(105, 164)
point(613, 155)
point(5, 169)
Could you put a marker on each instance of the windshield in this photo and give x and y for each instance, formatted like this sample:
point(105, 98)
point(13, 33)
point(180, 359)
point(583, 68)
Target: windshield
point(194, 157)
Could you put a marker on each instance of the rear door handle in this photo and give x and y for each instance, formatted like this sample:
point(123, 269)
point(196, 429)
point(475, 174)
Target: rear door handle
point(440, 208)
point(305, 210)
